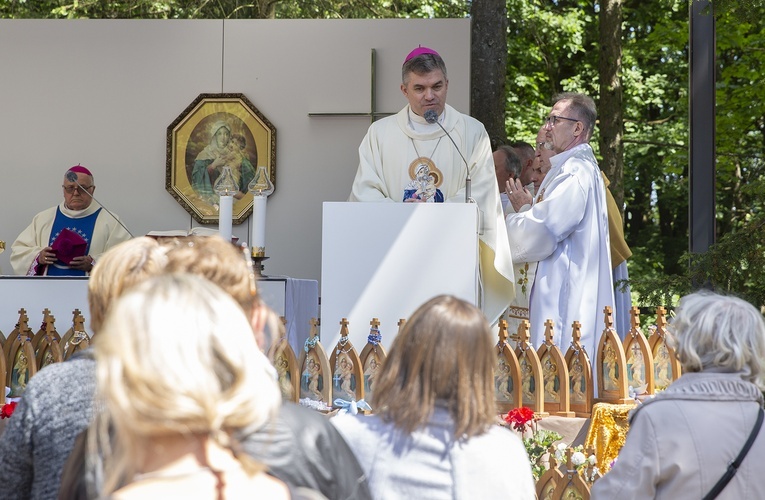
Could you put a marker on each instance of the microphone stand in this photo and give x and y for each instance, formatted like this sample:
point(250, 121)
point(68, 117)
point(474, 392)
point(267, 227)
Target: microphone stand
point(432, 117)
point(72, 177)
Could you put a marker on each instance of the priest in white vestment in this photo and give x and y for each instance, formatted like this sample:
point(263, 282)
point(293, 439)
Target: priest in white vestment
point(42, 249)
point(405, 158)
point(566, 231)
point(521, 193)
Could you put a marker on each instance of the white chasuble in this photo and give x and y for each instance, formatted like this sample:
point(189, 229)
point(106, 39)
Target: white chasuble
point(399, 160)
point(567, 233)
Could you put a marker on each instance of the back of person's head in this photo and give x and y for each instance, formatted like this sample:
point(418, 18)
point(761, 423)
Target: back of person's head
point(443, 354)
point(720, 333)
point(176, 356)
point(582, 107)
point(217, 260)
point(512, 161)
point(121, 267)
point(523, 149)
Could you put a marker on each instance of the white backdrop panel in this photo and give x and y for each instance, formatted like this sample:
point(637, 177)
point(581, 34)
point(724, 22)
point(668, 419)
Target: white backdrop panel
point(102, 92)
point(384, 260)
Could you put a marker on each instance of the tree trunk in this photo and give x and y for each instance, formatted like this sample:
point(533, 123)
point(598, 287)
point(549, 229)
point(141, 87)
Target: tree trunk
point(610, 108)
point(267, 9)
point(488, 66)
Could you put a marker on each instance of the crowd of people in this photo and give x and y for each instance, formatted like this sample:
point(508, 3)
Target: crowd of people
point(176, 398)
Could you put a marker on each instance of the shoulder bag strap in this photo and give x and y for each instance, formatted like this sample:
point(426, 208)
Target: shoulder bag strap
point(734, 465)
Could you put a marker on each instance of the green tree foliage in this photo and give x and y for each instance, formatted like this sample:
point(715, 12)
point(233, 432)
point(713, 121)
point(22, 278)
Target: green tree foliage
point(344, 9)
point(136, 9)
point(230, 9)
point(553, 47)
point(735, 264)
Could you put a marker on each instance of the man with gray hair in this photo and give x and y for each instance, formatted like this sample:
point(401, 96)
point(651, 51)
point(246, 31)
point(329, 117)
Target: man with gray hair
point(66, 240)
point(566, 231)
point(526, 153)
point(408, 157)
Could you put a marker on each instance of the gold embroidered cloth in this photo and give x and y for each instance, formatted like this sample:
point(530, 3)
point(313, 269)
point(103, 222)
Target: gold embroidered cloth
point(608, 430)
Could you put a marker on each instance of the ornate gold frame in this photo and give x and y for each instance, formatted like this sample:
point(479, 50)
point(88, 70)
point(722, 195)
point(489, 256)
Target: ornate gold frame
point(187, 140)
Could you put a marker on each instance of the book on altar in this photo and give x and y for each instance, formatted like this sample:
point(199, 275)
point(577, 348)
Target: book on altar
point(175, 233)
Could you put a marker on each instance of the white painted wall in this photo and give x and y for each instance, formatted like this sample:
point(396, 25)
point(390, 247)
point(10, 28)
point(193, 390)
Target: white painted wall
point(102, 93)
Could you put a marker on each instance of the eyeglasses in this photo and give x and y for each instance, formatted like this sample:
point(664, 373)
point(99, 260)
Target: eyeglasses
point(550, 120)
point(72, 189)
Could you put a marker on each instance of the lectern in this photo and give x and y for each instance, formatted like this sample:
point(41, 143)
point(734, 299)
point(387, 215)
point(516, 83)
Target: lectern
point(383, 260)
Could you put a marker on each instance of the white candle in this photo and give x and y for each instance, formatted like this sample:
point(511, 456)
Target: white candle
point(259, 226)
point(225, 216)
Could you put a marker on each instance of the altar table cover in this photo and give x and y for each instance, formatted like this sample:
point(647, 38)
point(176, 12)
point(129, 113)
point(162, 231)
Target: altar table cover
point(296, 300)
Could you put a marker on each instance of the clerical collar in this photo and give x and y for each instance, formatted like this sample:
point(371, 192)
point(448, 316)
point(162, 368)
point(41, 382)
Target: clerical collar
point(76, 214)
point(560, 158)
point(418, 124)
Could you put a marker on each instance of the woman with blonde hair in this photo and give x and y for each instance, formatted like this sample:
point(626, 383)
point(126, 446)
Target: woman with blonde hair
point(58, 401)
point(120, 268)
point(179, 374)
point(683, 442)
point(434, 433)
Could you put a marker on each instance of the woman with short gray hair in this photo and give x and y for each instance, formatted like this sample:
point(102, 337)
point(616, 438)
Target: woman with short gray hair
point(681, 443)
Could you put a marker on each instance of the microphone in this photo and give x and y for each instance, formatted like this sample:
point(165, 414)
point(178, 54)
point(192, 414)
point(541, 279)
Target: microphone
point(431, 116)
point(72, 177)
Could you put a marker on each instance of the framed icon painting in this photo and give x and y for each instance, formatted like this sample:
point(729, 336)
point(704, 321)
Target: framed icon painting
point(214, 132)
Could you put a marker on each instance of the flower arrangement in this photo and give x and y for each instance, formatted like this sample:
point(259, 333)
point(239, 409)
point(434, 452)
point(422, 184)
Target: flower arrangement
point(519, 418)
point(539, 442)
point(579, 460)
point(537, 445)
point(7, 410)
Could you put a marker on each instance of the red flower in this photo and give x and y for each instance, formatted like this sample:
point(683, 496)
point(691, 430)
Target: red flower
point(519, 417)
point(7, 410)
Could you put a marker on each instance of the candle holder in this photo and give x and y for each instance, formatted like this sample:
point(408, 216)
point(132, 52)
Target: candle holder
point(257, 265)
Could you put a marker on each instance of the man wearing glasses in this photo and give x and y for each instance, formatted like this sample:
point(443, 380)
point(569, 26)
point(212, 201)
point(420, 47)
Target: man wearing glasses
point(566, 231)
point(67, 239)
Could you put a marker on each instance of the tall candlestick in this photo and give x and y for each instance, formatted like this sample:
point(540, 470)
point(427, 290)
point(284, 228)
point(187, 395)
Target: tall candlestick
point(259, 206)
point(260, 187)
point(225, 187)
point(225, 216)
